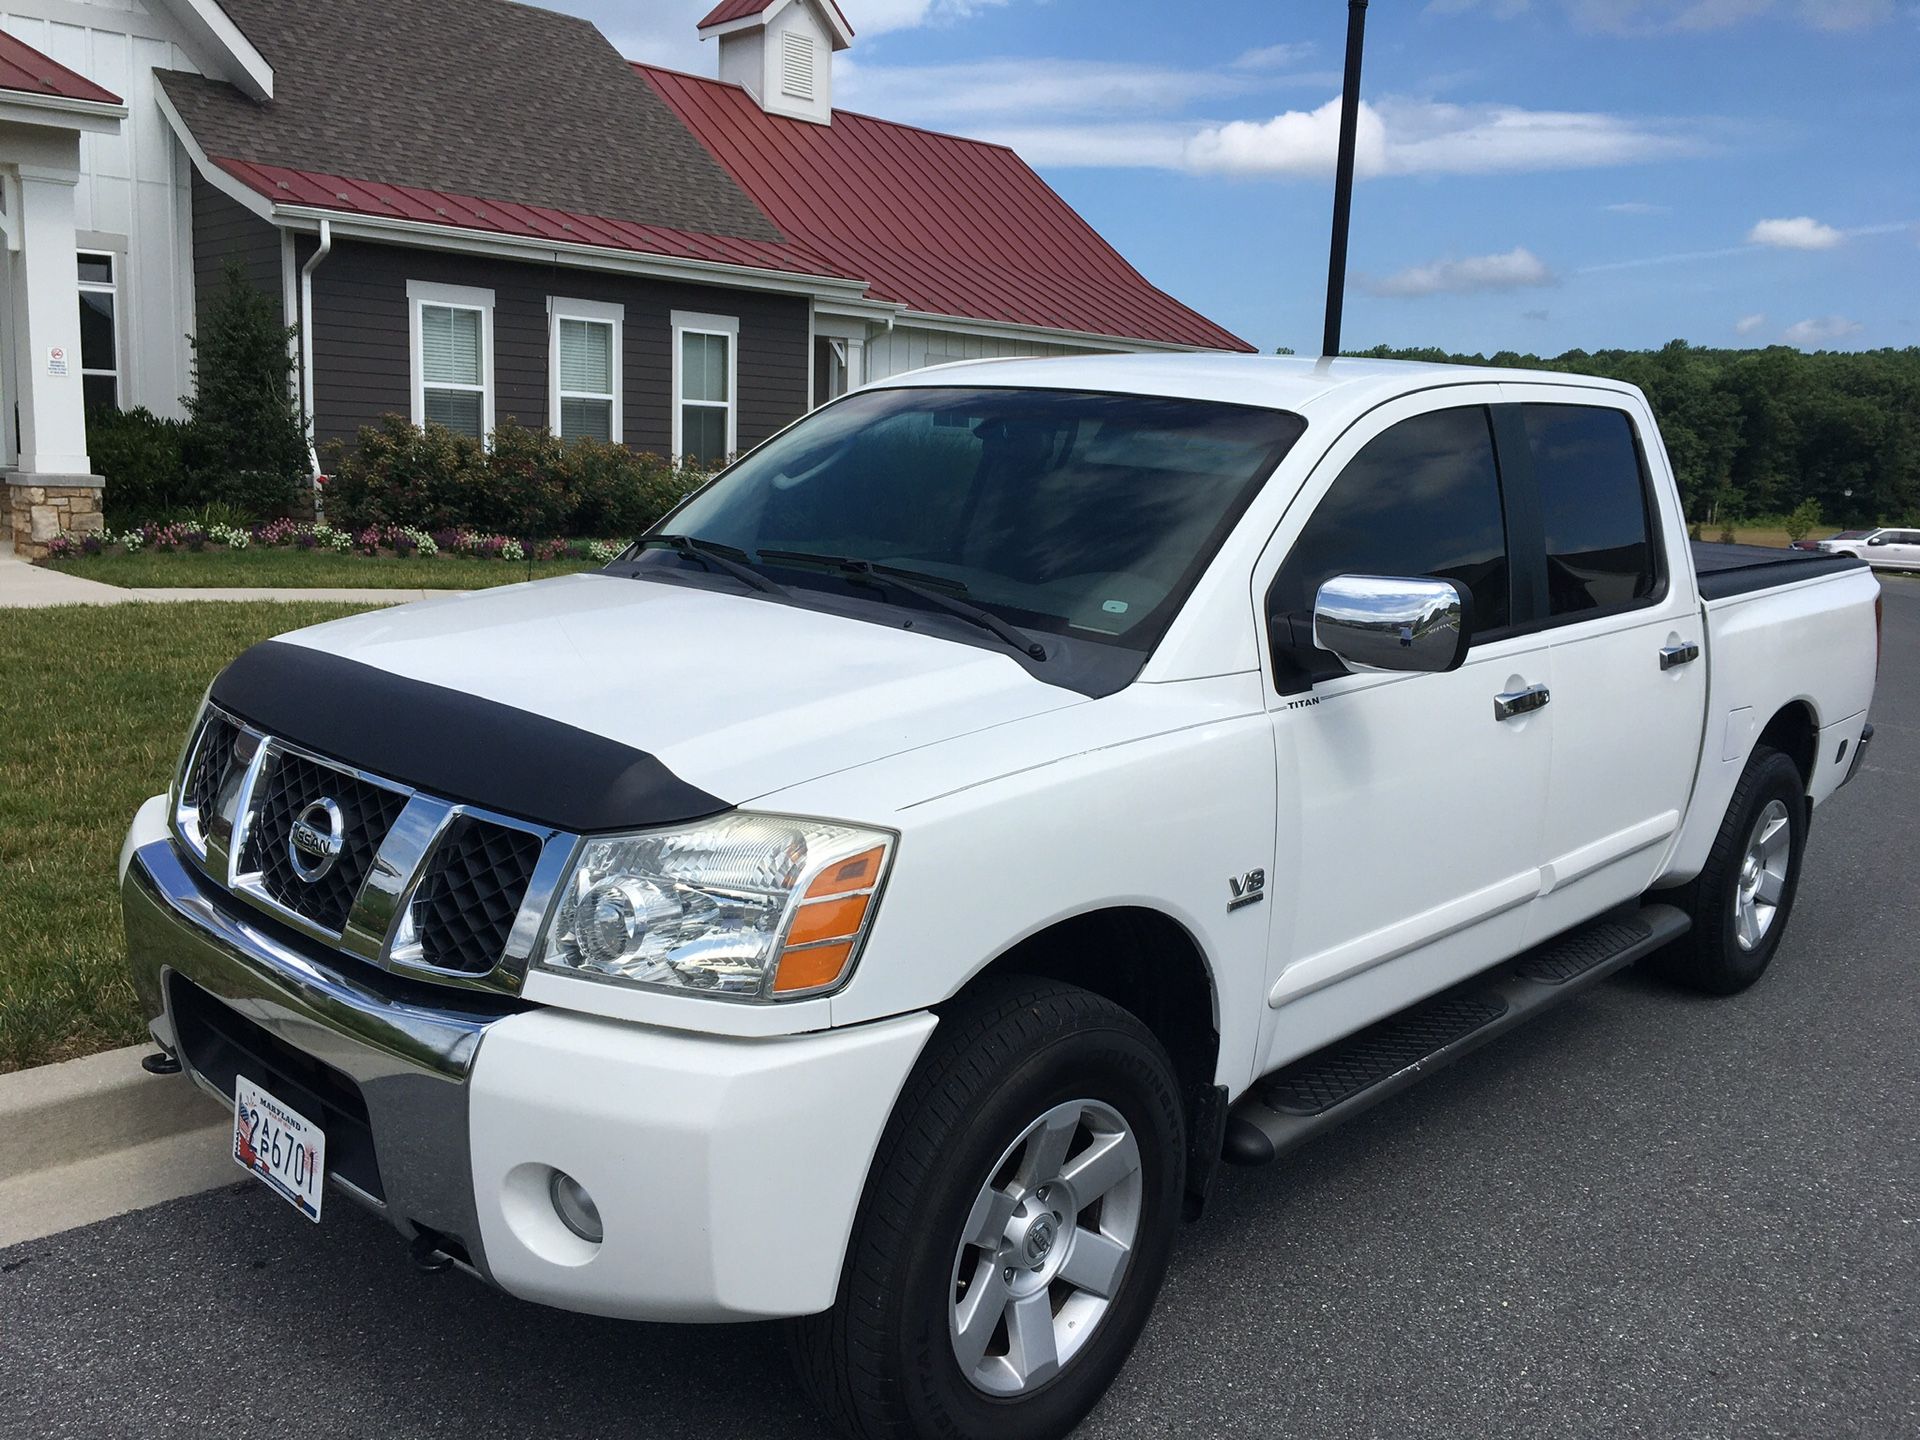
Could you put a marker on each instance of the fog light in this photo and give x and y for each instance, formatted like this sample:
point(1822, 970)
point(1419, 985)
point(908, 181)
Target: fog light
point(575, 1207)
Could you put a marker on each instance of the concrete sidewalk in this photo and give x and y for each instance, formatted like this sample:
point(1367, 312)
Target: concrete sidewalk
point(26, 587)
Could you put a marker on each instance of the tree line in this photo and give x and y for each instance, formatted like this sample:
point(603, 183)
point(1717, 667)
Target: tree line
point(1759, 434)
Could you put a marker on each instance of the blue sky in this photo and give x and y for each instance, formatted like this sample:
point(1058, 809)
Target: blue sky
point(1536, 174)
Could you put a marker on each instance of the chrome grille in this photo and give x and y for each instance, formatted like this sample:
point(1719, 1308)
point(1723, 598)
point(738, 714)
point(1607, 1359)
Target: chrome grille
point(449, 892)
point(288, 785)
point(475, 882)
point(212, 760)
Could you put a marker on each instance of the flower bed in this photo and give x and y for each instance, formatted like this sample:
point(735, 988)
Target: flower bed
point(399, 542)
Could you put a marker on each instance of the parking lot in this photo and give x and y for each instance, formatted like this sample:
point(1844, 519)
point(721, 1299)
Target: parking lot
point(1648, 1214)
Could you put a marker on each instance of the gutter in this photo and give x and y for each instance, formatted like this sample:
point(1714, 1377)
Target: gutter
point(834, 289)
point(306, 339)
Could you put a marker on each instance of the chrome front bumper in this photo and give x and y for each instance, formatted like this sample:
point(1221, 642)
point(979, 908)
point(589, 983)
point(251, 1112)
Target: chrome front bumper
point(410, 1060)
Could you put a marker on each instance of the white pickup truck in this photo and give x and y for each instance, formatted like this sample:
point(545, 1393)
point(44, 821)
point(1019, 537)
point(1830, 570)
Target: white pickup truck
point(885, 895)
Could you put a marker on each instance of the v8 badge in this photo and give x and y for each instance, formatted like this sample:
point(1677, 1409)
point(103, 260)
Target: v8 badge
point(1247, 889)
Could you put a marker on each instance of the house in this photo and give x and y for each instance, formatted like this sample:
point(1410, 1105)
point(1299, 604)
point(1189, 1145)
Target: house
point(476, 210)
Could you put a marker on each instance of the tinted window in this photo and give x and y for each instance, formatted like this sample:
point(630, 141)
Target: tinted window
point(1421, 499)
point(1593, 504)
point(1084, 514)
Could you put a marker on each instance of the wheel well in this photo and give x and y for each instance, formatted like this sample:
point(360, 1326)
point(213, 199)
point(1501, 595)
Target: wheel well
point(1796, 734)
point(1141, 960)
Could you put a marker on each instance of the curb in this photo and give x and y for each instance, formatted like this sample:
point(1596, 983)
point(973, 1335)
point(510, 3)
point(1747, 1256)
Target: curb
point(94, 1137)
point(58, 1114)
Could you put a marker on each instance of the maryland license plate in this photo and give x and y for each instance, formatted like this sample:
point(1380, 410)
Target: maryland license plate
point(279, 1145)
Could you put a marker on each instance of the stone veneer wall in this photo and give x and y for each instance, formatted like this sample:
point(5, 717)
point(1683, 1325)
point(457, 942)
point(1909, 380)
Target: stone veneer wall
point(37, 513)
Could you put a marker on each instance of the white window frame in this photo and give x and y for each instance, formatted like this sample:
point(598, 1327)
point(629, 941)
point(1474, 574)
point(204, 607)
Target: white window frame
point(598, 312)
point(117, 263)
point(691, 322)
point(457, 297)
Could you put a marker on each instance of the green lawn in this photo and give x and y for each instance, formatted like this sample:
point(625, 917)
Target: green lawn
point(94, 704)
point(308, 569)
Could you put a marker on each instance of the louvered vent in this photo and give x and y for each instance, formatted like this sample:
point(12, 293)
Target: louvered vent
point(796, 65)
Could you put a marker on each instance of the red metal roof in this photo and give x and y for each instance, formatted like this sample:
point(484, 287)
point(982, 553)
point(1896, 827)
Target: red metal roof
point(24, 68)
point(286, 186)
point(934, 222)
point(728, 10)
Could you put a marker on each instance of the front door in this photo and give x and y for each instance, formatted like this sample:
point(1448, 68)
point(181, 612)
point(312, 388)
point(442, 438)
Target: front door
point(1411, 816)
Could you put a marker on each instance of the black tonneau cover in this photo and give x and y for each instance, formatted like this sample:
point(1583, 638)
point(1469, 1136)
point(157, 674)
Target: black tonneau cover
point(1726, 570)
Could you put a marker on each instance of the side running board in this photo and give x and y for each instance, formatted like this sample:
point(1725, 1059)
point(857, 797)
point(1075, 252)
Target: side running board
point(1317, 1092)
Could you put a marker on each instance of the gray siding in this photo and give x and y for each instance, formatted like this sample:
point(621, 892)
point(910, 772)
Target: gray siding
point(360, 339)
point(224, 228)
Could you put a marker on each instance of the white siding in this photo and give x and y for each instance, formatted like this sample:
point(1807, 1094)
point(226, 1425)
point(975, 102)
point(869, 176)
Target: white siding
point(893, 352)
point(133, 194)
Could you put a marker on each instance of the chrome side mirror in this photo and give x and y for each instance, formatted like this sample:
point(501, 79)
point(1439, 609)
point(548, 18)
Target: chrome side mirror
point(1386, 622)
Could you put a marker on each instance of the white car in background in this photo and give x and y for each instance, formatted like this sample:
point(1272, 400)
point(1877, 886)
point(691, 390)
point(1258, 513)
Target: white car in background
point(1883, 549)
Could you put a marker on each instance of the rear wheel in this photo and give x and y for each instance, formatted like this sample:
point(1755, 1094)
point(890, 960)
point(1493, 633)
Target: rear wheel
point(1015, 1228)
point(1743, 896)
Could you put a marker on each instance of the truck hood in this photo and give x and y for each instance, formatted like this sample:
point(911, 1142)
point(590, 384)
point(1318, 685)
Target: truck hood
point(736, 695)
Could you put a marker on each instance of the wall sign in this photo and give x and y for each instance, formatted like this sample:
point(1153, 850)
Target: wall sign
point(56, 359)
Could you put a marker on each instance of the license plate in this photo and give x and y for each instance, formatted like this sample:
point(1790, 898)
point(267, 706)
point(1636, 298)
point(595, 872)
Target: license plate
point(279, 1145)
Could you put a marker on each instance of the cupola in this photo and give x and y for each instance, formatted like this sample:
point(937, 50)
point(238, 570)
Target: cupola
point(781, 52)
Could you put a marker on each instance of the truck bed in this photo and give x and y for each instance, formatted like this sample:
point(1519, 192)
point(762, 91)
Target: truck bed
point(1726, 570)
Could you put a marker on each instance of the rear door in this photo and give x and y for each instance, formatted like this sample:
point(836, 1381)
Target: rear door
point(1903, 549)
point(1614, 598)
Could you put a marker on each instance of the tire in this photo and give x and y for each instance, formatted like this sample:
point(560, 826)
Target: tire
point(884, 1362)
point(1733, 940)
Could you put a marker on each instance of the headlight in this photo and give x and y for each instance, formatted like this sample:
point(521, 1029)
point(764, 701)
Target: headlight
point(753, 907)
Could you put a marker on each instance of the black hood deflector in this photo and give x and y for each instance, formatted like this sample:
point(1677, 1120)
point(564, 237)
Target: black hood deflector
point(454, 745)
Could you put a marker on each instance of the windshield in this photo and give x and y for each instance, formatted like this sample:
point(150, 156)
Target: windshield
point(1083, 515)
point(1851, 535)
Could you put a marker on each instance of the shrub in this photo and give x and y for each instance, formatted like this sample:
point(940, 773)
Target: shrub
point(402, 474)
point(526, 482)
point(1805, 517)
point(143, 459)
point(246, 443)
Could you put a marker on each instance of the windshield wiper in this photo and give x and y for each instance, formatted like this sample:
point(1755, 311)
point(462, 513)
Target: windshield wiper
point(932, 588)
point(717, 557)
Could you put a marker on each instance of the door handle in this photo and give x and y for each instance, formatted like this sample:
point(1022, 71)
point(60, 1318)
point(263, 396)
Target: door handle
point(1521, 702)
point(1685, 653)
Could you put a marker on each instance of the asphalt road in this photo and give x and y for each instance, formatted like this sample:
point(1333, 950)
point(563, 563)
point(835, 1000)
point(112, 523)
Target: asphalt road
point(1646, 1214)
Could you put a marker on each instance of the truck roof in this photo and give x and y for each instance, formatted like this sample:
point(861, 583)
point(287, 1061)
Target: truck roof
point(1281, 382)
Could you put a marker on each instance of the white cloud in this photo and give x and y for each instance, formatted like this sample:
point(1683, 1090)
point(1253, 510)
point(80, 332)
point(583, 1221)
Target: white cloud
point(1518, 269)
point(1747, 324)
point(876, 17)
point(996, 89)
point(1821, 330)
point(1636, 207)
point(1845, 14)
point(1802, 232)
point(1417, 137)
point(1275, 57)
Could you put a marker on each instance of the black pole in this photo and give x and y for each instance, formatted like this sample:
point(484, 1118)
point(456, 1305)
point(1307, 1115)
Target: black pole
point(1343, 176)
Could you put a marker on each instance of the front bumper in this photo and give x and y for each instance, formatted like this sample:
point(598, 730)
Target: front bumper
point(726, 1171)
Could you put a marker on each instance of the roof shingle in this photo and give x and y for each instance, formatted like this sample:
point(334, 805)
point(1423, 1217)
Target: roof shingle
point(478, 97)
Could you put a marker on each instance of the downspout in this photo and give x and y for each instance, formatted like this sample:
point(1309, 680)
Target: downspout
point(306, 337)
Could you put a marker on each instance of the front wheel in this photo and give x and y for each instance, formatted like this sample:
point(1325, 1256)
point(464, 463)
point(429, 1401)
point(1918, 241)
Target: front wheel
point(1015, 1228)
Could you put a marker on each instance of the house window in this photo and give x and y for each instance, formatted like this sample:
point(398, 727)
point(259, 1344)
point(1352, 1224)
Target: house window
point(584, 389)
point(99, 331)
point(452, 357)
point(704, 366)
